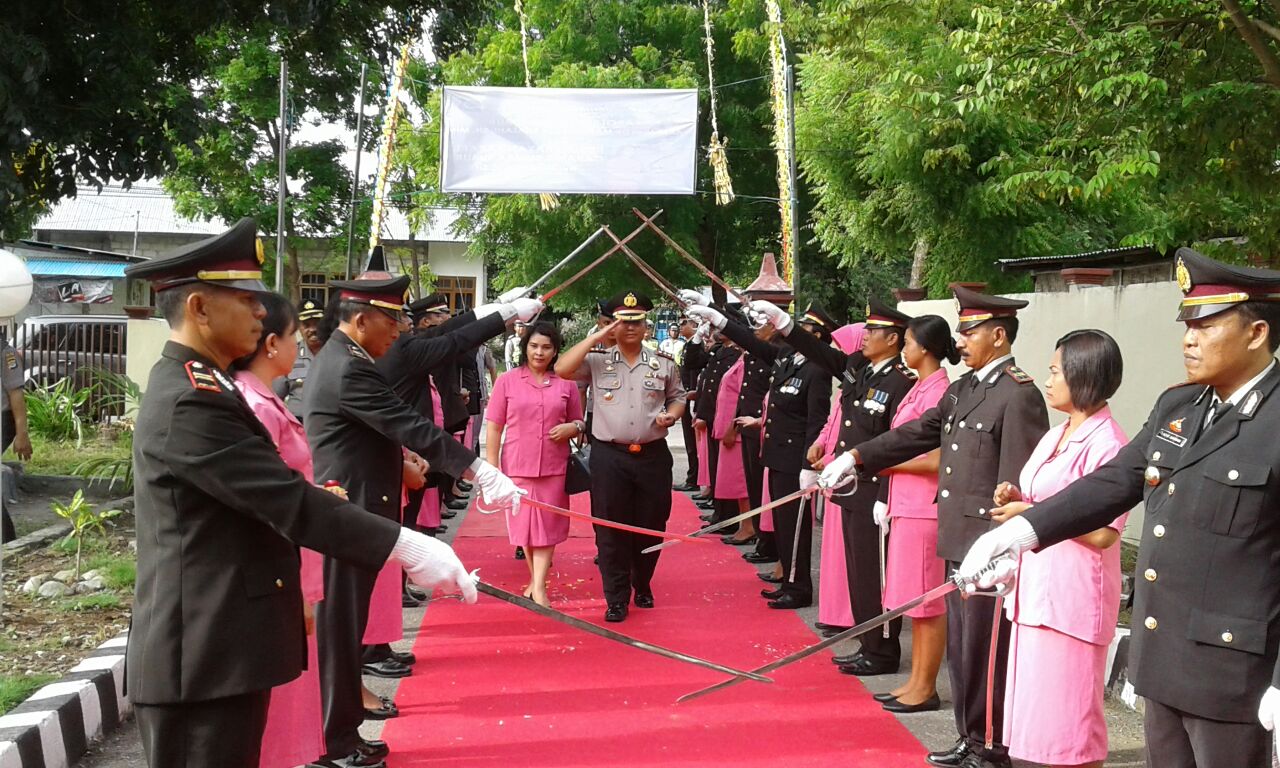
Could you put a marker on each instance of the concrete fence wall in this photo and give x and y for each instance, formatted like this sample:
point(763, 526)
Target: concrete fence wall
point(1140, 317)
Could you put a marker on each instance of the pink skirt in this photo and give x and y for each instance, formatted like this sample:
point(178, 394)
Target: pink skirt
point(731, 478)
point(429, 512)
point(386, 615)
point(1053, 710)
point(295, 731)
point(532, 527)
point(834, 606)
point(704, 466)
point(766, 518)
point(912, 565)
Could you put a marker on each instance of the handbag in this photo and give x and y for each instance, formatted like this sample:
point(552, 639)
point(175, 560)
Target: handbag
point(577, 476)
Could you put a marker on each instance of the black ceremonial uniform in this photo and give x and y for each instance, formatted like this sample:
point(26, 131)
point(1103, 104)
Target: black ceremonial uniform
point(692, 359)
point(720, 359)
point(869, 398)
point(217, 615)
point(756, 372)
point(987, 428)
point(356, 426)
point(1206, 614)
point(799, 401)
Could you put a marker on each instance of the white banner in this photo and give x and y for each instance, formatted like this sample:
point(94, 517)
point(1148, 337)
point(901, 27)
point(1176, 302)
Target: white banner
point(568, 140)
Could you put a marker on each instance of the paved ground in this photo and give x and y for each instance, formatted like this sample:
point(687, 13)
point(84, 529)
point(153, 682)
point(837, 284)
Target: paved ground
point(934, 729)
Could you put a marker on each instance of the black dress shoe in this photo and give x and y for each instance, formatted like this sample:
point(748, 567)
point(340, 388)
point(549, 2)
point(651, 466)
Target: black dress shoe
point(354, 760)
point(414, 592)
point(456, 504)
point(865, 667)
point(790, 602)
point(771, 594)
point(833, 631)
point(385, 710)
point(464, 486)
point(975, 760)
point(700, 497)
point(708, 504)
point(931, 704)
point(684, 487)
point(404, 657)
point(756, 557)
point(735, 541)
point(386, 668)
point(615, 613)
point(883, 697)
point(824, 625)
point(373, 748)
point(770, 578)
point(644, 600)
point(950, 758)
point(448, 514)
point(848, 658)
point(519, 553)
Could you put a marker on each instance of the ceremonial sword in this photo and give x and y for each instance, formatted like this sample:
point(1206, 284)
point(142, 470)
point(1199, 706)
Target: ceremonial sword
point(956, 581)
point(648, 271)
point(566, 259)
point(580, 273)
point(710, 529)
point(617, 637)
point(674, 537)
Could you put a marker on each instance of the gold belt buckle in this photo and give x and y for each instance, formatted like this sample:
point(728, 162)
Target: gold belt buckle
point(635, 448)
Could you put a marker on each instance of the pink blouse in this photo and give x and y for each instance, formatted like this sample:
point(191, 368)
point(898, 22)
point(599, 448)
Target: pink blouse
point(528, 411)
point(1071, 587)
point(910, 494)
point(727, 398)
point(291, 442)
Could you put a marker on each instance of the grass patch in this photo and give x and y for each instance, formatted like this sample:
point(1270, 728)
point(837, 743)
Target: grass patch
point(14, 689)
point(96, 602)
point(56, 457)
point(117, 571)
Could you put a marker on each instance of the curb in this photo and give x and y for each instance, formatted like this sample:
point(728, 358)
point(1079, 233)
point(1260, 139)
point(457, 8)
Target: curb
point(55, 726)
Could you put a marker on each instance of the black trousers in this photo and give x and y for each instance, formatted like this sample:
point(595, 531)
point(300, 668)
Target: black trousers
point(8, 430)
point(969, 625)
point(219, 733)
point(1176, 739)
point(754, 472)
point(690, 447)
point(631, 488)
point(788, 523)
point(341, 618)
point(862, 566)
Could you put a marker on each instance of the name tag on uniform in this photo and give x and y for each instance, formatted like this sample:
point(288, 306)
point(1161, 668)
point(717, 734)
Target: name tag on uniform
point(1170, 437)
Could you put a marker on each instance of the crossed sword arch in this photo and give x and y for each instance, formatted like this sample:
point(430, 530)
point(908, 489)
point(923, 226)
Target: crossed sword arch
point(669, 539)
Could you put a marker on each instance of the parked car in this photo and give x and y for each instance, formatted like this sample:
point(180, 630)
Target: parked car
point(54, 347)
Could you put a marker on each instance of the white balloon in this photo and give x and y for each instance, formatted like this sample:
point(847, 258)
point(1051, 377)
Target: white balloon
point(15, 284)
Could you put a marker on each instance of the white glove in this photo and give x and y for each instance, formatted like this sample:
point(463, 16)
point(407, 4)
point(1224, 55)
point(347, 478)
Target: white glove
point(432, 564)
point(777, 316)
point(484, 310)
point(808, 478)
point(694, 298)
point(701, 333)
point(496, 489)
point(518, 292)
point(837, 471)
point(1007, 542)
point(1269, 708)
point(880, 513)
point(526, 308)
point(707, 315)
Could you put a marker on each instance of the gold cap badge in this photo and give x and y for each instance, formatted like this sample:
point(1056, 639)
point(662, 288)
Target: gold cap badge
point(1183, 275)
point(630, 300)
point(257, 242)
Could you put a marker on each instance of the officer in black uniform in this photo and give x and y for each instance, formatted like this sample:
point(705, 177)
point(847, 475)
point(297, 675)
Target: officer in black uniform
point(1206, 614)
point(356, 426)
point(638, 397)
point(873, 382)
point(799, 401)
point(720, 358)
point(987, 424)
point(691, 359)
point(217, 617)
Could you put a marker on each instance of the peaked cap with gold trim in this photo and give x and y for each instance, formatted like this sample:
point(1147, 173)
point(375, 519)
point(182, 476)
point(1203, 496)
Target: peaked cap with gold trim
point(232, 259)
point(628, 305)
point(1209, 287)
point(977, 308)
point(881, 315)
point(389, 293)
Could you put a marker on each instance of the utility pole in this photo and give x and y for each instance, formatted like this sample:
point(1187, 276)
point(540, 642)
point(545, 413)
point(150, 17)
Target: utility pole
point(791, 171)
point(355, 177)
point(281, 191)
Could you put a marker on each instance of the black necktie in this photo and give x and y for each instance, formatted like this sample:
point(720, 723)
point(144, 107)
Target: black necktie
point(1218, 411)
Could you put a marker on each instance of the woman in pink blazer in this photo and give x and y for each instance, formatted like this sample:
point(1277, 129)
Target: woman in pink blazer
point(912, 565)
point(536, 413)
point(1067, 599)
point(730, 482)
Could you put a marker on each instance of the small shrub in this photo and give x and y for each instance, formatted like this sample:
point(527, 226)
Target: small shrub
point(55, 412)
point(85, 521)
point(94, 602)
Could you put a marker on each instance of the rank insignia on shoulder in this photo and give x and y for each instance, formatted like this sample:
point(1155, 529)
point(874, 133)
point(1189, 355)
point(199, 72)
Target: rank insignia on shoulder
point(10, 360)
point(1251, 402)
point(356, 351)
point(200, 377)
point(1019, 375)
point(904, 370)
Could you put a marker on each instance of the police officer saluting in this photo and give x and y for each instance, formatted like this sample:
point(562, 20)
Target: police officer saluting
point(987, 424)
point(637, 397)
point(217, 618)
point(1207, 465)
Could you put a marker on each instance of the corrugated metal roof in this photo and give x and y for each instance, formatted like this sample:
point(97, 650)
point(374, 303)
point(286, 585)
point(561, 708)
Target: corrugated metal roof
point(74, 268)
point(146, 208)
point(441, 229)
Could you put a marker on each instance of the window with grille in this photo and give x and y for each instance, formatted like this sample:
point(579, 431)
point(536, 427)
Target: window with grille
point(314, 286)
point(461, 292)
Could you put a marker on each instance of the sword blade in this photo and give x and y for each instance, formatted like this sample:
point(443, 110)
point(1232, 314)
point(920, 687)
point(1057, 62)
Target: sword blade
point(710, 529)
point(712, 276)
point(861, 629)
point(567, 259)
point(609, 523)
point(582, 272)
point(618, 637)
point(648, 270)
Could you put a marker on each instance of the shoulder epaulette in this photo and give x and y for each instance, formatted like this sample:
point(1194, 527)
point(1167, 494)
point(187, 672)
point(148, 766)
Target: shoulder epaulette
point(1179, 385)
point(904, 370)
point(1019, 375)
point(201, 377)
point(600, 350)
point(662, 354)
point(356, 351)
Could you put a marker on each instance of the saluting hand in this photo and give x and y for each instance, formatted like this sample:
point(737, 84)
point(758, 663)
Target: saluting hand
point(1005, 493)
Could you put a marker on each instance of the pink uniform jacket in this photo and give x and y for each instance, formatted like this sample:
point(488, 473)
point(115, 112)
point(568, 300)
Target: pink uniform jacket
point(913, 495)
point(1071, 587)
point(528, 412)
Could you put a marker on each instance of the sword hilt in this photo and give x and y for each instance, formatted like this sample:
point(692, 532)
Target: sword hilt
point(964, 582)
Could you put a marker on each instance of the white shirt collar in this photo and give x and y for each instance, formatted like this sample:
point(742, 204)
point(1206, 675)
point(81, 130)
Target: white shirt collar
point(985, 371)
point(880, 366)
point(1239, 394)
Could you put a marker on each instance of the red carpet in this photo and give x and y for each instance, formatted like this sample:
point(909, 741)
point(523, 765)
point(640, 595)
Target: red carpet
point(499, 686)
